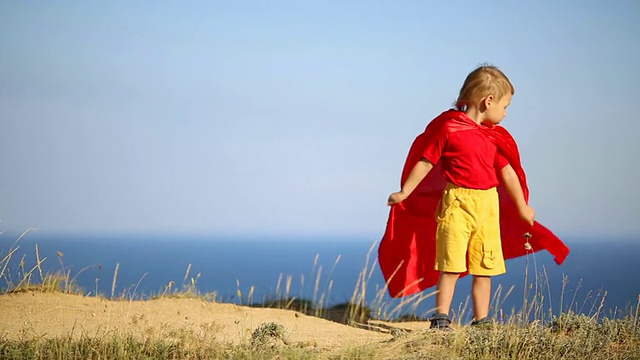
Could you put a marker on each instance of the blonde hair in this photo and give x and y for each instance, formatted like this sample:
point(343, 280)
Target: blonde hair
point(483, 81)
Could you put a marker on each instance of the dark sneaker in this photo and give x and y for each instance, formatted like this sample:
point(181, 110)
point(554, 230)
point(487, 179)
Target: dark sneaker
point(484, 322)
point(440, 322)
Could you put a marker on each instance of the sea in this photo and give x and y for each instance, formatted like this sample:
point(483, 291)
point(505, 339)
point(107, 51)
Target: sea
point(599, 277)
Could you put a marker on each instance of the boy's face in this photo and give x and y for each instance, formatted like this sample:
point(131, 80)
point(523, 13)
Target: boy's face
point(496, 109)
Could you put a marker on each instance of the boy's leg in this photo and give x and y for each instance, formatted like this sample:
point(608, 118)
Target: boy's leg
point(485, 252)
point(446, 287)
point(452, 240)
point(481, 295)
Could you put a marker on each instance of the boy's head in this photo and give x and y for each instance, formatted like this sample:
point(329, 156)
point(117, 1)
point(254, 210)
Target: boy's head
point(486, 88)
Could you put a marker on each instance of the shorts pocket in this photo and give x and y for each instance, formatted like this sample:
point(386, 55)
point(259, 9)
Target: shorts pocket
point(488, 257)
point(446, 206)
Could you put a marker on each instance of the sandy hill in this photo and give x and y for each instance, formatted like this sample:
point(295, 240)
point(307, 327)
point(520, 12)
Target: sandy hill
point(55, 314)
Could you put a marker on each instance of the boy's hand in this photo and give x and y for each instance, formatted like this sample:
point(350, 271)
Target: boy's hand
point(527, 214)
point(396, 198)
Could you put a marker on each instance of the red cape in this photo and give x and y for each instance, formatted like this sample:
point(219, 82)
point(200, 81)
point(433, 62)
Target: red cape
point(406, 254)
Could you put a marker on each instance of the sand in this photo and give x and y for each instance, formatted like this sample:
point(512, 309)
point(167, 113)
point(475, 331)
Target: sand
point(37, 314)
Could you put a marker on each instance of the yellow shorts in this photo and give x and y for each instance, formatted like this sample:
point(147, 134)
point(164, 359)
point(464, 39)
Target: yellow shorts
point(468, 233)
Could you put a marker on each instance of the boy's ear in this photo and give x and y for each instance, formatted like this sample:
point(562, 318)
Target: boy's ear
point(486, 103)
point(489, 99)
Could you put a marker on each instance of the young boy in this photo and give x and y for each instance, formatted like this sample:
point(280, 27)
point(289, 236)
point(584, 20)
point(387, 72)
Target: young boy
point(463, 143)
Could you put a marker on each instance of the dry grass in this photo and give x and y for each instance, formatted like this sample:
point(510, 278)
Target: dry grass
point(532, 333)
point(183, 346)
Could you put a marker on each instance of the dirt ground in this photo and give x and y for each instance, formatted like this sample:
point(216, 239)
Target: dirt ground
point(55, 314)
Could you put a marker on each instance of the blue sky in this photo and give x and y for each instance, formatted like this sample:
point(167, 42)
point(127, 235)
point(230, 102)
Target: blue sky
point(294, 117)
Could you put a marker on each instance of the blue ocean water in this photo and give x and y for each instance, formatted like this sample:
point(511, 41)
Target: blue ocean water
point(325, 270)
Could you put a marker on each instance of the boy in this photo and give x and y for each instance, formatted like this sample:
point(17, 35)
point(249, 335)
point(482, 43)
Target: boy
point(473, 156)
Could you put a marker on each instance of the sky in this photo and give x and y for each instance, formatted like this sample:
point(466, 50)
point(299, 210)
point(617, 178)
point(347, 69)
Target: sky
point(295, 117)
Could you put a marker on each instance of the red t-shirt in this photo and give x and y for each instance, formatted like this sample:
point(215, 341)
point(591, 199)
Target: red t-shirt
point(469, 158)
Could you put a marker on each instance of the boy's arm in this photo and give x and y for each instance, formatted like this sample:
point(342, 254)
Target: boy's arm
point(512, 183)
point(419, 171)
